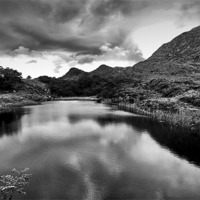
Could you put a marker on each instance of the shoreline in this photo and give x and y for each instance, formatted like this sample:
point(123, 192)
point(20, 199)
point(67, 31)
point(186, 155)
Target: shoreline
point(186, 119)
point(75, 98)
point(12, 101)
point(13, 106)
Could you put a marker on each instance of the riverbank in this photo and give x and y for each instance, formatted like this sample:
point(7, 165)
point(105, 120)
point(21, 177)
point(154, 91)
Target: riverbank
point(11, 101)
point(76, 98)
point(168, 111)
point(28, 92)
point(176, 115)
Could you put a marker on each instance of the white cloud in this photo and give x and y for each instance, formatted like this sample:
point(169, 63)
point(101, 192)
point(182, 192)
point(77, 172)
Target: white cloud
point(32, 61)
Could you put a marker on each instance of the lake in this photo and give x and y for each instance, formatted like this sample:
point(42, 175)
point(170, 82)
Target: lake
point(85, 150)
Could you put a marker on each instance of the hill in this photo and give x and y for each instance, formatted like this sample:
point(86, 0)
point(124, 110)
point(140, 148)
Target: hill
point(183, 48)
point(103, 71)
point(177, 58)
point(73, 74)
point(15, 91)
point(107, 71)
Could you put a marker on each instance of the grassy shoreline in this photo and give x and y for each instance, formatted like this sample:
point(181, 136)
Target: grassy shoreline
point(12, 101)
point(76, 98)
point(7, 107)
point(185, 119)
point(182, 118)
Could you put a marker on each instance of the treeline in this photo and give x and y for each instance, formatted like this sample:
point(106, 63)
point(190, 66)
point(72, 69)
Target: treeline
point(9, 79)
point(85, 86)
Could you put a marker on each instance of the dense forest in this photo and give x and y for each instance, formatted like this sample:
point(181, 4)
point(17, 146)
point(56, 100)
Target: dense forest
point(84, 86)
point(9, 79)
point(87, 85)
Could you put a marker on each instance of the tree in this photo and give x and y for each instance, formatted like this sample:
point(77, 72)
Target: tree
point(13, 184)
point(28, 77)
point(9, 78)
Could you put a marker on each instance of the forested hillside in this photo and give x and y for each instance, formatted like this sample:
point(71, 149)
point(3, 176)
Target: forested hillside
point(16, 91)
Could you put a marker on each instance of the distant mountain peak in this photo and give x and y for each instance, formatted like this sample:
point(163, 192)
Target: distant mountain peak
point(73, 73)
point(103, 70)
point(103, 66)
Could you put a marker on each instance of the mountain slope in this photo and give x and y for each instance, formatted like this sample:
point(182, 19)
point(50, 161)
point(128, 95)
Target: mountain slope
point(73, 74)
point(103, 71)
point(109, 72)
point(180, 57)
point(183, 48)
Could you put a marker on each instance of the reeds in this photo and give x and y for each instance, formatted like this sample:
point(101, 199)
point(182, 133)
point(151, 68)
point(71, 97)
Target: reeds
point(186, 119)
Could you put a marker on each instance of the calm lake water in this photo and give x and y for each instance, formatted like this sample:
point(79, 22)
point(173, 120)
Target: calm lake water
point(84, 150)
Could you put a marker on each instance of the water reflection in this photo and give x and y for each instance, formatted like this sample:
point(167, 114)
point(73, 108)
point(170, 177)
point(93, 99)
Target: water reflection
point(10, 122)
point(181, 142)
point(83, 150)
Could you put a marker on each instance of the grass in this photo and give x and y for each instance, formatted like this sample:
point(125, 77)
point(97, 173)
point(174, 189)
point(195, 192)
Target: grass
point(186, 119)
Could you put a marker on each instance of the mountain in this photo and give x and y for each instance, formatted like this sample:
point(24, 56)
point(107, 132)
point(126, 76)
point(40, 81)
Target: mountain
point(73, 74)
point(179, 57)
point(107, 71)
point(103, 71)
point(183, 48)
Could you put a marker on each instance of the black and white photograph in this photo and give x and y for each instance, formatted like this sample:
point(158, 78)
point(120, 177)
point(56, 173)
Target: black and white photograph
point(99, 99)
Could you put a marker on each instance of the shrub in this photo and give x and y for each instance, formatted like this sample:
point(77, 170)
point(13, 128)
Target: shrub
point(13, 183)
point(9, 78)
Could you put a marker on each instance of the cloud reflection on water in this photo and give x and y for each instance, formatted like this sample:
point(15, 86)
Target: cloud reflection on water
point(93, 157)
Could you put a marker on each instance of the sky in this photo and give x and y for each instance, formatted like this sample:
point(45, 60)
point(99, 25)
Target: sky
point(48, 37)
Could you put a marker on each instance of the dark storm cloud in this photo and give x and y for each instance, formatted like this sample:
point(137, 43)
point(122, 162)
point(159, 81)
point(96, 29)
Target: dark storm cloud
point(56, 10)
point(190, 5)
point(191, 8)
point(67, 10)
point(41, 24)
point(189, 13)
point(77, 26)
point(27, 23)
point(125, 7)
point(40, 40)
